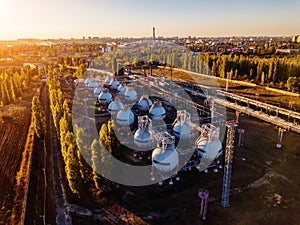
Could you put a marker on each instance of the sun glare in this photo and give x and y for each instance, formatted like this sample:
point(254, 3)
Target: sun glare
point(3, 4)
point(5, 18)
point(3, 9)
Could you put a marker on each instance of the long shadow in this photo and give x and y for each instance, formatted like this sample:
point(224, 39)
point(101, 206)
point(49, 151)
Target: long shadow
point(240, 87)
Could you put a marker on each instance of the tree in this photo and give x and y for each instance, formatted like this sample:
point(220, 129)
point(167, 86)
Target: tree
point(96, 160)
point(113, 140)
point(104, 136)
point(223, 67)
point(81, 163)
point(236, 73)
point(259, 70)
point(231, 74)
point(39, 117)
point(12, 89)
point(271, 68)
point(80, 71)
point(214, 68)
point(184, 61)
point(293, 84)
point(251, 73)
point(275, 77)
point(73, 169)
point(65, 136)
point(67, 114)
point(262, 78)
point(114, 65)
point(4, 94)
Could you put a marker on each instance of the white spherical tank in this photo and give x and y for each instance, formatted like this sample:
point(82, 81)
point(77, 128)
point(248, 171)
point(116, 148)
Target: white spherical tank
point(105, 97)
point(143, 139)
point(220, 152)
point(87, 81)
point(115, 106)
point(97, 91)
point(122, 88)
point(125, 117)
point(209, 149)
point(130, 95)
point(144, 103)
point(107, 80)
point(114, 84)
point(165, 160)
point(182, 131)
point(92, 85)
point(157, 111)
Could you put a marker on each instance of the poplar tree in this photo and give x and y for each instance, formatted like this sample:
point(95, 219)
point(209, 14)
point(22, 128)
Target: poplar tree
point(96, 160)
point(73, 169)
point(4, 96)
point(114, 65)
point(39, 117)
point(263, 78)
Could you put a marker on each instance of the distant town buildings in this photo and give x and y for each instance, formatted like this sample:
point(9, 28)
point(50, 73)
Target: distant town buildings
point(287, 51)
point(296, 39)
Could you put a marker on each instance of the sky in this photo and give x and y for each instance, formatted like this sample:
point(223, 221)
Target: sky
point(133, 18)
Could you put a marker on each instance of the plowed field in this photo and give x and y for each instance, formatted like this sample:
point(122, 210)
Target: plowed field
point(13, 132)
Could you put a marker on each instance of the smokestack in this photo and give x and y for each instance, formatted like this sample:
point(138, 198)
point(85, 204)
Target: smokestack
point(154, 33)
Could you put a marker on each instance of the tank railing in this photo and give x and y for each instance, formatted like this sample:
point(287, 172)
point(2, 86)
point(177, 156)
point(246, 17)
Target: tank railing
point(144, 122)
point(182, 117)
point(164, 140)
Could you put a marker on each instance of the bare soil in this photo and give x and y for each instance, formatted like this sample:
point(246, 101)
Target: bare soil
point(13, 133)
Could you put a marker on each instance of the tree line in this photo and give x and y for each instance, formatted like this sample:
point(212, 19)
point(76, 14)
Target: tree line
point(108, 141)
point(62, 118)
point(279, 72)
point(75, 144)
point(16, 83)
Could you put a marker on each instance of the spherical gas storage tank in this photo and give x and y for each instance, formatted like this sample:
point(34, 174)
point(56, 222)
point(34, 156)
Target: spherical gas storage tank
point(144, 103)
point(143, 135)
point(115, 106)
point(165, 157)
point(87, 81)
point(122, 88)
point(98, 90)
point(114, 84)
point(92, 85)
point(210, 149)
point(108, 80)
point(182, 131)
point(130, 95)
point(143, 139)
point(105, 97)
point(125, 117)
point(157, 111)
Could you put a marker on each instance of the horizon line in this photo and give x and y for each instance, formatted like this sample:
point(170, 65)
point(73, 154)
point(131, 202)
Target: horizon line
point(87, 37)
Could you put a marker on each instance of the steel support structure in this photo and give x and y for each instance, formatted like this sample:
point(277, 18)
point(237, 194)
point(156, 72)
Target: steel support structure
point(231, 127)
